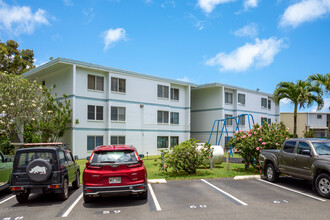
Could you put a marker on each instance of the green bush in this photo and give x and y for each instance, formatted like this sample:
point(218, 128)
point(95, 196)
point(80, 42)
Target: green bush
point(185, 157)
point(248, 144)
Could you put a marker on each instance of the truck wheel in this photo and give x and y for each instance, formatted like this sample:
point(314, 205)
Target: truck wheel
point(76, 183)
point(22, 198)
point(322, 185)
point(64, 195)
point(270, 173)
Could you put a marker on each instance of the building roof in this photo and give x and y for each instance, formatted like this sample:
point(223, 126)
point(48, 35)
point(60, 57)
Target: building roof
point(61, 60)
point(215, 84)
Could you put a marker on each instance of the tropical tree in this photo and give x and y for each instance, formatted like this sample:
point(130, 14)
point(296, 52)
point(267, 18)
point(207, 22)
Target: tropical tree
point(319, 79)
point(15, 61)
point(302, 94)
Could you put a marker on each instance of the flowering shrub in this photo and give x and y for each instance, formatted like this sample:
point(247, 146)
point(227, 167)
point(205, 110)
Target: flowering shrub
point(248, 144)
point(185, 157)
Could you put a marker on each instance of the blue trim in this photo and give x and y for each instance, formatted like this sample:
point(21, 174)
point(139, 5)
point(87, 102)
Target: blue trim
point(233, 110)
point(133, 130)
point(207, 132)
point(122, 101)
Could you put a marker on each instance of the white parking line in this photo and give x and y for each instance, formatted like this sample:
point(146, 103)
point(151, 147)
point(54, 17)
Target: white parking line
point(295, 191)
point(72, 206)
point(5, 200)
point(154, 197)
point(223, 192)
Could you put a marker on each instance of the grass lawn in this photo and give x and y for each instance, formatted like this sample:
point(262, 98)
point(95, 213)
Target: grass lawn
point(219, 171)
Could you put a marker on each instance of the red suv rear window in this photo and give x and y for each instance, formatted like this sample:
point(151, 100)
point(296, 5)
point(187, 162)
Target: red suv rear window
point(121, 156)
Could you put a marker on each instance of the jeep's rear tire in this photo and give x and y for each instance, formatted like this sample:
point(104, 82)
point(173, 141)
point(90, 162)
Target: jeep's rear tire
point(87, 199)
point(322, 185)
point(22, 198)
point(270, 173)
point(64, 195)
point(76, 183)
point(38, 170)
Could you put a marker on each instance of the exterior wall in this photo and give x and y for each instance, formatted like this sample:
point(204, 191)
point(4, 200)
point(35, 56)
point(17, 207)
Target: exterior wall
point(208, 104)
point(140, 127)
point(306, 122)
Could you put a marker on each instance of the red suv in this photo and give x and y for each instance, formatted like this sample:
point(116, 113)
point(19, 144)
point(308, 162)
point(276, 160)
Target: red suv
point(114, 170)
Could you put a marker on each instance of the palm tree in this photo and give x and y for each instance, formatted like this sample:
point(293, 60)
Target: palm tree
point(302, 94)
point(320, 79)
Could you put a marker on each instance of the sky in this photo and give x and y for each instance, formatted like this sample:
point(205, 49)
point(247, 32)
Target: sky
point(254, 44)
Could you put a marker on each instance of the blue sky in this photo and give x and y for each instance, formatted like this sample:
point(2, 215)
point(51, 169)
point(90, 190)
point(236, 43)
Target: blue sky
point(247, 43)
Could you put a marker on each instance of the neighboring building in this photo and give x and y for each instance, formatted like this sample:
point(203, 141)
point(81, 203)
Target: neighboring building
point(218, 101)
point(306, 121)
point(116, 106)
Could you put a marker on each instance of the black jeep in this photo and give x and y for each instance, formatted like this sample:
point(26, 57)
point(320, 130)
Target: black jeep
point(42, 168)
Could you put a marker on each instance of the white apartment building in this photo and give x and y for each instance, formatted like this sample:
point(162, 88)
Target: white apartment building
point(116, 106)
point(218, 101)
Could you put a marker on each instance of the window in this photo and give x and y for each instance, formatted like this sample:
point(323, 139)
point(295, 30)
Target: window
point(94, 141)
point(43, 83)
point(289, 146)
point(162, 142)
point(319, 116)
point(174, 94)
point(175, 118)
point(162, 117)
point(95, 112)
point(228, 98)
point(68, 156)
point(61, 156)
point(263, 121)
point(118, 85)
point(302, 146)
point(269, 121)
point(96, 83)
point(162, 91)
point(263, 103)
point(118, 113)
point(174, 141)
point(117, 140)
point(241, 99)
point(114, 156)
point(269, 104)
point(242, 120)
point(229, 121)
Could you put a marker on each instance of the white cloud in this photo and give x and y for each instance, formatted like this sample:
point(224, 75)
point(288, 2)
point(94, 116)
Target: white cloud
point(209, 5)
point(304, 11)
point(285, 101)
point(113, 35)
point(259, 54)
point(20, 19)
point(250, 4)
point(250, 30)
point(68, 2)
point(185, 79)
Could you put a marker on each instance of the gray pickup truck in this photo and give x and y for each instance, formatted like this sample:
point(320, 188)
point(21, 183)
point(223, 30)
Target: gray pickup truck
point(308, 159)
point(6, 167)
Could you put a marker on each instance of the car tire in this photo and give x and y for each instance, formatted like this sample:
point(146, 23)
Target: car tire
point(76, 183)
point(322, 185)
point(270, 173)
point(22, 198)
point(87, 199)
point(64, 195)
point(143, 196)
point(39, 170)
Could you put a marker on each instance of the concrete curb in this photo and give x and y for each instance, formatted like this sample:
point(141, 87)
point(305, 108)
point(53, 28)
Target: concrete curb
point(157, 181)
point(247, 177)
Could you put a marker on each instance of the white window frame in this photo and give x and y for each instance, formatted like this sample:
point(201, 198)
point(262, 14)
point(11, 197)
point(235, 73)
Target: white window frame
point(95, 136)
point(266, 103)
point(173, 94)
point(118, 138)
point(163, 93)
point(238, 95)
point(167, 142)
point(230, 121)
point(172, 118)
point(118, 85)
point(232, 97)
point(95, 113)
point(95, 83)
point(163, 121)
point(117, 115)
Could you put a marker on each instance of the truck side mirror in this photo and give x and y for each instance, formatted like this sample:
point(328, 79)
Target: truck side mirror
point(306, 152)
point(141, 156)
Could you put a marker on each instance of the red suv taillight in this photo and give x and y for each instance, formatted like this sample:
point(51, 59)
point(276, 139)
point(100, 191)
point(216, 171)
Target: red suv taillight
point(95, 167)
point(136, 165)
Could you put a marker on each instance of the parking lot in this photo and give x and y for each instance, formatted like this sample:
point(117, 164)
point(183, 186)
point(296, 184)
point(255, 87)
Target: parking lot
point(189, 199)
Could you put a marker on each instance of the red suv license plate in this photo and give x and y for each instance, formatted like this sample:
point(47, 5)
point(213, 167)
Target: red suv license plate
point(114, 180)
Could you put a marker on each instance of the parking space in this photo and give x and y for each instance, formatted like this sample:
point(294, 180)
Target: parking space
point(209, 198)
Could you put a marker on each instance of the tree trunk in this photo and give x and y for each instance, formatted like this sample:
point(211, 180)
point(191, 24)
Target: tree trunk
point(295, 120)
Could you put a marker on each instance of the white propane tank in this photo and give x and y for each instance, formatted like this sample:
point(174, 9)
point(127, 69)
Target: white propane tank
point(218, 153)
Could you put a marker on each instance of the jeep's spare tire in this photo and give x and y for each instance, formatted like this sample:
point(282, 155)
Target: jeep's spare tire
point(38, 170)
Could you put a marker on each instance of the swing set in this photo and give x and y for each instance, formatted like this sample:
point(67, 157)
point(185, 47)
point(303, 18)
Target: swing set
point(217, 123)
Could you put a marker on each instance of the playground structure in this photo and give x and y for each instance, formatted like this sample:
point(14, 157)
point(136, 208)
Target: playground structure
point(216, 124)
